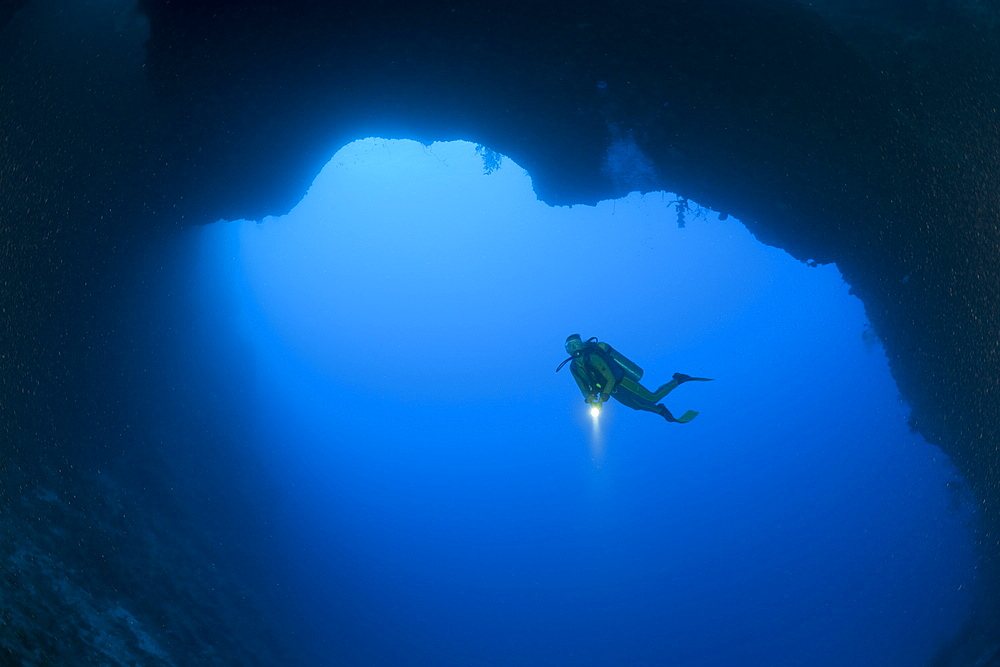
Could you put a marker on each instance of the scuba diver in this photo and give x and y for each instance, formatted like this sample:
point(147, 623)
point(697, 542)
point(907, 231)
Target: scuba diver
point(602, 372)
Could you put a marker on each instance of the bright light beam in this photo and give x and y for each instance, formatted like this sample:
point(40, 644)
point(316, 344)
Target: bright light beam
point(596, 438)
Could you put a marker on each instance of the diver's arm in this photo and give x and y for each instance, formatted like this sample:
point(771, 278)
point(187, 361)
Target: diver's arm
point(582, 380)
point(608, 385)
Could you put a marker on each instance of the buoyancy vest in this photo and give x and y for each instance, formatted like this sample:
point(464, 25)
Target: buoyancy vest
point(620, 365)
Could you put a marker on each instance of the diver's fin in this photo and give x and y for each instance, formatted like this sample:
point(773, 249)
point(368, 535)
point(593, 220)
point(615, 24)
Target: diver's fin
point(687, 416)
point(680, 378)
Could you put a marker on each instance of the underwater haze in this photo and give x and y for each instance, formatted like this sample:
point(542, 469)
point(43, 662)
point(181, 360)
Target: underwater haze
point(447, 500)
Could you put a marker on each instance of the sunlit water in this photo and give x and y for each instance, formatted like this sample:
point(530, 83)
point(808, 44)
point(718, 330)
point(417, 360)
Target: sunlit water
point(451, 502)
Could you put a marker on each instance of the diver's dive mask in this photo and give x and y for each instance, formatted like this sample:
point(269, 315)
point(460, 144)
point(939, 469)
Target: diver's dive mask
point(573, 344)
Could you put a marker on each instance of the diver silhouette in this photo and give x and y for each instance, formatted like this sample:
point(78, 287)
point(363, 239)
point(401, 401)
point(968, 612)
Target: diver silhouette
point(602, 372)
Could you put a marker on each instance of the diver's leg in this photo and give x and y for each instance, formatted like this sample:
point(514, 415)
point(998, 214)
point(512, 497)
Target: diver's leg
point(635, 388)
point(664, 390)
point(683, 419)
point(666, 414)
point(624, 395)
point(657, 395)
point(631, 399)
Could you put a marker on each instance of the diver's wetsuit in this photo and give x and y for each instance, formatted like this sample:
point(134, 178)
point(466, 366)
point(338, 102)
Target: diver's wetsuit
point(595, 371)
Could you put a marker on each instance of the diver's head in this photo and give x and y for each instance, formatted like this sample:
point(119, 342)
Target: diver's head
point(573, 344)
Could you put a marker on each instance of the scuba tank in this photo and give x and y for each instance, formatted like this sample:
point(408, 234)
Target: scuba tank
point(632, 370)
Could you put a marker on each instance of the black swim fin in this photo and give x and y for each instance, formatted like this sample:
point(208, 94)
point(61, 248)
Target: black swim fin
point(681, 378)
point(683, 419)
point(687, 416)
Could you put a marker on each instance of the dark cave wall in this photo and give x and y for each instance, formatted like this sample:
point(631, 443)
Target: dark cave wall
point(107, 558)
point(862, 138)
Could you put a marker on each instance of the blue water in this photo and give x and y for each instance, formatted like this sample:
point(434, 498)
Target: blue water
point(445, 498)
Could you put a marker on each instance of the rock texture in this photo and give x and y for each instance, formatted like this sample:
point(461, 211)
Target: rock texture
point(90, 576)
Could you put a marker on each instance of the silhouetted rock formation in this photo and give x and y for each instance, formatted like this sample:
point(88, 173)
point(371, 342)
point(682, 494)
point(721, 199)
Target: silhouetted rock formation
point(866, 139)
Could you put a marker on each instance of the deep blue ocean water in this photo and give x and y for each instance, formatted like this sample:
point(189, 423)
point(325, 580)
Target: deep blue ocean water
point(446, 500)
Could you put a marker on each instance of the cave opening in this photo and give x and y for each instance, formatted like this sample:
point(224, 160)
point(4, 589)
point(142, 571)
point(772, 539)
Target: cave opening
point(444, 498)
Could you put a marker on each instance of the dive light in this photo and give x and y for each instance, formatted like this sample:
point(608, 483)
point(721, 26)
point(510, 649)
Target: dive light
point(595, 406)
